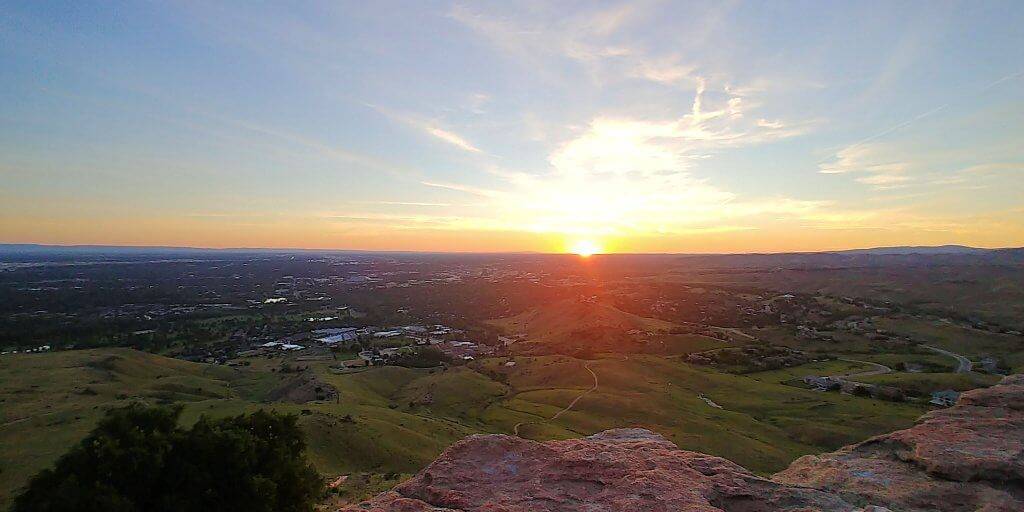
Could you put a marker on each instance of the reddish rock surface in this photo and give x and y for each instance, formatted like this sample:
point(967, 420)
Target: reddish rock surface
point(965, 458)
point(968, 457)
point(626, 469)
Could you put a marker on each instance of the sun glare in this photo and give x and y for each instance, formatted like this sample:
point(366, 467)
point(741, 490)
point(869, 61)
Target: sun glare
point(585, 248)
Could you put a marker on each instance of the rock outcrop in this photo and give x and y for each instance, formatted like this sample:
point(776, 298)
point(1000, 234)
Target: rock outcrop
point(625, 469)
point(968, 457)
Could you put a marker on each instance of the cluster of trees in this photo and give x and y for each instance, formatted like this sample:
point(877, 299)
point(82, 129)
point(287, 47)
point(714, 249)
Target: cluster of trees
point(750, 358)
point(422, 357)
point(139, 460)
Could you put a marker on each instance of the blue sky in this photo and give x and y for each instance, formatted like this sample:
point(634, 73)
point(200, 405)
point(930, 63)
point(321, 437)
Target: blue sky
point(640, 126)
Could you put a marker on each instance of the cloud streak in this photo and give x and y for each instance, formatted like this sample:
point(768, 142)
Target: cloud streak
point(428, 127)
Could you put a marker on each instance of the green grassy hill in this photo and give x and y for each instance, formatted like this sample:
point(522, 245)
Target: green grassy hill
point(594, 325)
point(390, 421)
point(49, 401)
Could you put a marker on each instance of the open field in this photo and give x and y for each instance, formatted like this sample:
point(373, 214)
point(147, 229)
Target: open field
point(683, 344)
point(923, 384)
point(822, 368)
point(844, 342)
point(972, 343)
point(929, 361)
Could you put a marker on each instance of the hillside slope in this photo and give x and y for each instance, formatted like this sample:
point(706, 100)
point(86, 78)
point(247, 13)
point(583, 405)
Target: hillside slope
point(386, 422)
point(51, 400)
point(582, 324)
point(956, 460)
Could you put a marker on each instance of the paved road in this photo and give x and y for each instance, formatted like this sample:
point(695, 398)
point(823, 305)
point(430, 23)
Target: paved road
point(964, 365)
point(880, 369)
point(515, 429)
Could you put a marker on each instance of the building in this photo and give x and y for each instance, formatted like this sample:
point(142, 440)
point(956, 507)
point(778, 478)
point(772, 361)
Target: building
point(945, 398)
point(344, 336)
point(822, 383)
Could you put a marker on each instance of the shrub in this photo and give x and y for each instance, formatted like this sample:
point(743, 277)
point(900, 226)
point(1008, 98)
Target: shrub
point(138, 460)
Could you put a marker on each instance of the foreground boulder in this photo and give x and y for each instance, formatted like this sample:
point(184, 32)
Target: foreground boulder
point(966, 458)
point(969, 457)
point(626, 469)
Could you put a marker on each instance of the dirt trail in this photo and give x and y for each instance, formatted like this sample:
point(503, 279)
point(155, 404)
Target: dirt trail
point(963, 365)
point(739, 333)
point(515, 429)
point(709, 401)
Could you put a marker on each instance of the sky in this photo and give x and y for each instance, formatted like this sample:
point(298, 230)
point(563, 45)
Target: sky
point(649, 126)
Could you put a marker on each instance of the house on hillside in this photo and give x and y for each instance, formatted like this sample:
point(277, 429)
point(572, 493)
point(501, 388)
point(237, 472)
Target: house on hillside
point(945, 398)
point(822, 383)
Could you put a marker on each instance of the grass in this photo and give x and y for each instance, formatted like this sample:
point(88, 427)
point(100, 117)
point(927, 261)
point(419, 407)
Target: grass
point(683, 344)
point(763, 426)
point(820, 368)
point(844, 342)
point(929, 361)
point(50, 401)
point(923, 384)
point(393, 421)
point(972, 343)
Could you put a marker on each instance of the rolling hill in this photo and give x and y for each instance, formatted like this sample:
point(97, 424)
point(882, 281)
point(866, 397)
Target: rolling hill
point(580, 325)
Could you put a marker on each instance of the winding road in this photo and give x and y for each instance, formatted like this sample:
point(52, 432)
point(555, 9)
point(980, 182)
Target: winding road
point(964, 365)
point(515, 429)
point(880, 369)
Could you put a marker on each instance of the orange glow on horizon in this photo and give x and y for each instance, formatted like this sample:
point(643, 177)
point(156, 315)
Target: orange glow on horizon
point(585, 248)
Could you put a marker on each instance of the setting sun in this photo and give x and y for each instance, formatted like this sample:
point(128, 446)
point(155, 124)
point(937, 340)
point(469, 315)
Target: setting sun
point(585, 248)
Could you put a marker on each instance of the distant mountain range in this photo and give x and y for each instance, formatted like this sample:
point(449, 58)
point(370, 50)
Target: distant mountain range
point(37, 249)
point(918, 249)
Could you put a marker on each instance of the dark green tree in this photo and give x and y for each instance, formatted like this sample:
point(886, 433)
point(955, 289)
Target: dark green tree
point(138, 460)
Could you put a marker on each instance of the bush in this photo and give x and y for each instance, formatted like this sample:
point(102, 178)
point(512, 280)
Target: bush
point(138, 460)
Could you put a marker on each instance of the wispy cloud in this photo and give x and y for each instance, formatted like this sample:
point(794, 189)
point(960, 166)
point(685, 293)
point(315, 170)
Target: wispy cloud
point(450, 137)
point(874, 164)
point(645, 147)
point(477, 191)
point(666, 71)
point(406, 203)
point(930, 112)
point(581, 37)
point(591, 38)
point(884, 181)
point(432, 128)
point(636, 176)
point(974, 174)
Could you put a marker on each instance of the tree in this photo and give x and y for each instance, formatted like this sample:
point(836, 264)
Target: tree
point(138, 460)
point(423, 357)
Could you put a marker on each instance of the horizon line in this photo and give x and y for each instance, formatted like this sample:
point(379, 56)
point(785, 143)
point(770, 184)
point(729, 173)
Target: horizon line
point(6, 245)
